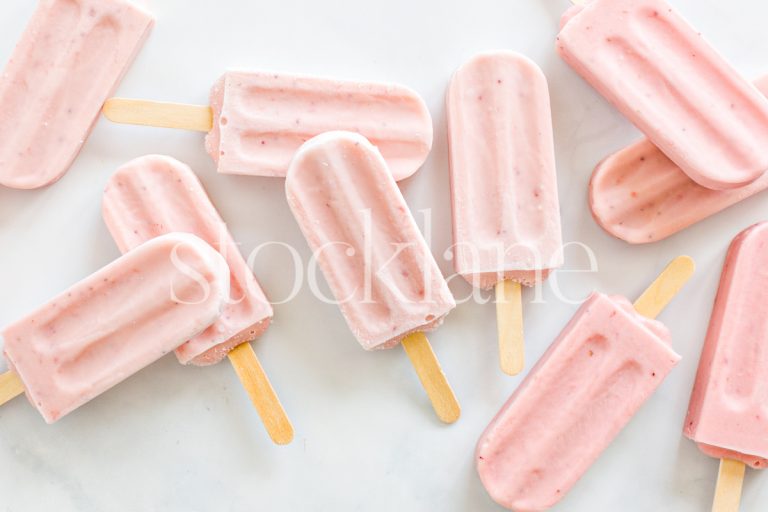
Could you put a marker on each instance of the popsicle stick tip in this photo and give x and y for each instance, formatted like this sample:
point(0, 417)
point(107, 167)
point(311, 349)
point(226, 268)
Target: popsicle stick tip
point(730, 479)
point(432, 378)
point(10, 387)
point(262, 394)
point(656, 297)
point(284, 436)
point(180, 116)
point(509, 321)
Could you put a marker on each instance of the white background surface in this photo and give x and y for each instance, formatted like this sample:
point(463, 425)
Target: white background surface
point(176, 438)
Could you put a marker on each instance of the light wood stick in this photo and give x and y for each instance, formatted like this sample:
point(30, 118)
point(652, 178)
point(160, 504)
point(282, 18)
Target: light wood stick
point(730, 479)
point(10, 387)
point(509, 321)
point(163, 115)
point(431, 375)
point(263, 396)
point(656, 297)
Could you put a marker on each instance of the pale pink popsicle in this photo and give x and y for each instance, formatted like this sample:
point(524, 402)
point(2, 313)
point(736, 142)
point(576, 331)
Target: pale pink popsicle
point(260, 120)
point(665, 78)
point(68, 62)
point(506, 216)
point(117, 321)
point(728, 413)
point(595, 376)
point(153, 195)
point(366, 242)
point(641, 196)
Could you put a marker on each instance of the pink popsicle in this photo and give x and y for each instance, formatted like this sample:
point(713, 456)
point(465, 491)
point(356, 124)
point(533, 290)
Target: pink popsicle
point(337, 183)
point(728, 413)
point(115, 322)
point(69, 60)
point(378, 265)
point(260, 120)
point(506, 216)
point(665, 78)
point(155, 194)
point(603, 366)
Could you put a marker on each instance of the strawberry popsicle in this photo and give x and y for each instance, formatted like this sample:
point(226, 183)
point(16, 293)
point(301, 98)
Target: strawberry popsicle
point(114, 323)
point(506, 216)
point(258, 120)
point(606, 363)
point(379, 267)
point(153, 195)
point(640, 196)
point(69, 60)
point(665, 78)
point(728, 413)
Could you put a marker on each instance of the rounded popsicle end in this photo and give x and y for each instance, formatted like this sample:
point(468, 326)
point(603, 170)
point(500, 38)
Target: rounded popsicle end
point(43, 177)
point(499, 489)
point(570, 13)
point(609, 213)
point(327, 141)
point(423, 132)
point(600, 206)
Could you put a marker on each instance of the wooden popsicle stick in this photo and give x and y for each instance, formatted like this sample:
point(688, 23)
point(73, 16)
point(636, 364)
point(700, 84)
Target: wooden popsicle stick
point(431, 375)
point(730, 479)
point(509, 321)
point(197, 118)
point(263, 396)
point(10, 387)
point(656, 297)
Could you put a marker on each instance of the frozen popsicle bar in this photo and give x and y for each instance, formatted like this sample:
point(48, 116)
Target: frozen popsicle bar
point(115, 322)
point(153, 195)
point(349, 210)
point(603, 366)
point(665, 78)
point(261, 119)
point(156, 194)
point(640, 196)
point(506, 216)
point(382, 274)
point(258, 119)
point(69, 60)
point(728, 412)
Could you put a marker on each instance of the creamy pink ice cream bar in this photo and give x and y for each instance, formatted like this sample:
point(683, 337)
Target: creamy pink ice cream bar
point(365, 240)
point(69, 60)
point(115, 322)
point(591, 381)
point(665, 78)
point(728, 413)
point(260, 120)
point(153, 195)
point(506, 216)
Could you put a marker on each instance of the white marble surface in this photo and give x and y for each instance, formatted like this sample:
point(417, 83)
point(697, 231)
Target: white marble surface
point(175, 438)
